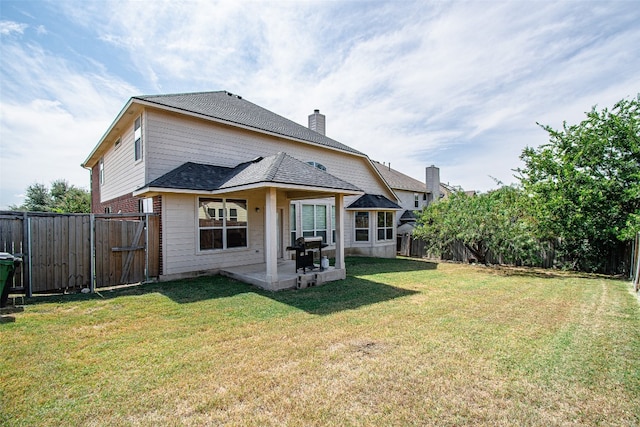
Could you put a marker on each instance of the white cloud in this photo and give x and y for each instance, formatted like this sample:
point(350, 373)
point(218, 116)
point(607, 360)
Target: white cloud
point(10, 27)
point(51, 116)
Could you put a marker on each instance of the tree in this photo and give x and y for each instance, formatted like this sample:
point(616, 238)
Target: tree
point(585, 184)
point(37, 198)
point(62, 198)
point(75, 200)
point(496, 222)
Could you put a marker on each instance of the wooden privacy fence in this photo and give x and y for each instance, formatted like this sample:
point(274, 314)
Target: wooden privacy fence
point(617, 263)
point(65, 252)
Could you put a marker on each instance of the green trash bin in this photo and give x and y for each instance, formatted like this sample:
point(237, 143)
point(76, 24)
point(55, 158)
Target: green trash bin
point(8, 264)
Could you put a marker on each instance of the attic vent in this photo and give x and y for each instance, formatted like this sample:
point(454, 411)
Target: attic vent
point(257, 159)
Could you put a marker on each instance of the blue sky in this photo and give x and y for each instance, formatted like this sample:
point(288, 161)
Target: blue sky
point(457, 84)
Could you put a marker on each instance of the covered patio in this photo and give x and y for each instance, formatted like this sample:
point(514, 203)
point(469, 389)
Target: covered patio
point(273, 182)
point(287, 278)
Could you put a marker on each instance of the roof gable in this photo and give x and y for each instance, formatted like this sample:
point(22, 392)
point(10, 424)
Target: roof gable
point(233, 109)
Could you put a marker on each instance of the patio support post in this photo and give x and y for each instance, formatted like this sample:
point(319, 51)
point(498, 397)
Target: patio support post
point(271, 240)
point(339, 201)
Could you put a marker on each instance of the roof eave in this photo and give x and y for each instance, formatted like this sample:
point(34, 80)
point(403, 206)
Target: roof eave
point(374, 209)
point(90, 161)
point(313, 192)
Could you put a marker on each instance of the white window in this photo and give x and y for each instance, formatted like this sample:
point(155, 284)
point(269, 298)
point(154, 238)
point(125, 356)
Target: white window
point(101, 171)
point(137, 139)
point(333, 224)
point(362, 226)
point(292, 223)
point(318, 165)
point(385, 225)
point(222, 223)
point(314, 221)
point(416, 200)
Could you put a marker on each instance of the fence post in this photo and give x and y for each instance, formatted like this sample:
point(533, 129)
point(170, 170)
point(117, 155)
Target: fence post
point(146, 247)
point(26, 250)
point(29, 257)
point(92, 252)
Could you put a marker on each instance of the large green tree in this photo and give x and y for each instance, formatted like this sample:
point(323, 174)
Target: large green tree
point(61, 198)
point(496, 222)
point(584, 184)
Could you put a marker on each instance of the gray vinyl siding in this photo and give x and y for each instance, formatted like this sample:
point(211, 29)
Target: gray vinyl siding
point(173, 140)
point(407, 200)
point(122, 174)
point(180, 234)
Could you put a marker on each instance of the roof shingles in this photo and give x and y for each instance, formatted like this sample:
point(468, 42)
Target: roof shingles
point(231, 108)
point(279, 168)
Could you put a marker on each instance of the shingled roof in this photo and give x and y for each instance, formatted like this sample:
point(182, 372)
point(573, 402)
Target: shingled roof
point(234, 109)
point(374, 201)
point(398, 180)
point(277, 169)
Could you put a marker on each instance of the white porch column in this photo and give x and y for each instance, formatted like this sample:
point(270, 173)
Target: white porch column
point(339, 201)
point(271, 240)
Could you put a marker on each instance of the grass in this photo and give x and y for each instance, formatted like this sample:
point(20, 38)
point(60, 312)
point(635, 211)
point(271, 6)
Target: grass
point(399, 342)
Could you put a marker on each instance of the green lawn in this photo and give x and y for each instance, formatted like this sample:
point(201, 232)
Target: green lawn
point(399, 342)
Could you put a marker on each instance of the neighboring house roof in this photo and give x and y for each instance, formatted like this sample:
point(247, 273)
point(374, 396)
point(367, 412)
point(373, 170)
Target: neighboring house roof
point(374, 201)
point(398, 180)
point(408, 216)
point(277, 169)
point(448, 189)
point(231, 108)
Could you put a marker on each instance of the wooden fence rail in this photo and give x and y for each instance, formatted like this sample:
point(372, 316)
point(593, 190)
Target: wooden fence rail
point(66, 252)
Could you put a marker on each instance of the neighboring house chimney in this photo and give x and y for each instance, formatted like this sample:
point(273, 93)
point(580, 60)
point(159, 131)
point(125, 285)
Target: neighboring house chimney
point(433, 182)
point(317, 122)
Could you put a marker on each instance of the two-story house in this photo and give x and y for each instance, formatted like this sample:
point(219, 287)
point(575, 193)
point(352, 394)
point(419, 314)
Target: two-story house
point(234, 184)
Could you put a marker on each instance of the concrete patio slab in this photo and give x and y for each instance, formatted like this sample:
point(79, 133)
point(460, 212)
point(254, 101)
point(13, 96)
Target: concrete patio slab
point(288, 278)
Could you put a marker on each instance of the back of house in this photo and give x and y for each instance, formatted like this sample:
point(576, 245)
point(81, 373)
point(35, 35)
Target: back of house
point(235, 184)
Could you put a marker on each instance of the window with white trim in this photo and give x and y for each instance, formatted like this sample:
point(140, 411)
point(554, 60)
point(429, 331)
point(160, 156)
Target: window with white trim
point(385, 225)
point(222, 223)
point(318, 166)
point(137, 139)
point(333, 224)
point(292, 223)
point(416, 200)
point(101, 171)
point(314, 221)
point(362, 226)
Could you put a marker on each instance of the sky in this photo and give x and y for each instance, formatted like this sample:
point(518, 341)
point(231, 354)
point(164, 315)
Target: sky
point(461, 85)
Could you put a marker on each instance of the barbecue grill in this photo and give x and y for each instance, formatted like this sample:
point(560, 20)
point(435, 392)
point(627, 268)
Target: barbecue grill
point(305, 247)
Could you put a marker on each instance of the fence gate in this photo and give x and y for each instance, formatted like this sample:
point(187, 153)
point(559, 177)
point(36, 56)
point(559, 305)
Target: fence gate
point(122, 250)
point(66, 252)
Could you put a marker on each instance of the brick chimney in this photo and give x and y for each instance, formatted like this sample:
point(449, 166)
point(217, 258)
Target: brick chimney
point(317, 122)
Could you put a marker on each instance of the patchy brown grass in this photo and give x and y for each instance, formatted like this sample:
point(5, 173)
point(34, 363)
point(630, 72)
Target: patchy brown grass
point(400, 342)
